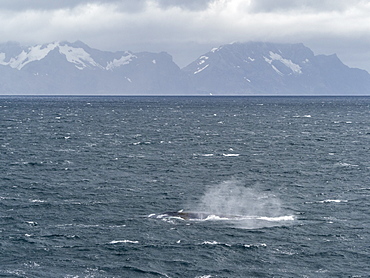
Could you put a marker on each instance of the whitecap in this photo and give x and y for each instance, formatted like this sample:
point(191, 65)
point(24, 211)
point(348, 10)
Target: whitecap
point(124, 241)
point(37, 201)
point(210, 242)
point(255, 245)
point(278, 218)
point(344, 164)
point(333, 201)
point(231, 154)
point(213, 242)
point(304, 116)
point(203, 154)
point(31, 264)
point(117, 226)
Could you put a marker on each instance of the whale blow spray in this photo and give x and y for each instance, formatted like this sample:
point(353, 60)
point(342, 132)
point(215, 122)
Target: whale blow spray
point(256, 208)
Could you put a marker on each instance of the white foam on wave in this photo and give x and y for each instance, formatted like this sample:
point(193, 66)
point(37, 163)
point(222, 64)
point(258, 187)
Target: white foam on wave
point(344, 164)
point(255, 245)
point(278, 218)
point(304, 116)
point(333, 201)
point(166, 218)
point(230, 154)
point(203, 154)
point(210, 242)
point(213, 242)
point(37, 201)
point(327, 201)
point(124, 241)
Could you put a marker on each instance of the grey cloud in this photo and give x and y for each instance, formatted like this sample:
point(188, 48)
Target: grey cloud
point(188, 4)
point(288, 5)
point(139, 5)
point(19, 5)
point(127, 5)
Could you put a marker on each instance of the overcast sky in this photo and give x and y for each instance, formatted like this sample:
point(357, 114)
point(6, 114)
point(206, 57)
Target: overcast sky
point(189, 28)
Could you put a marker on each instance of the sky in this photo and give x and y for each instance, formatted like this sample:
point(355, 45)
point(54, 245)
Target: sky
point(189, 28)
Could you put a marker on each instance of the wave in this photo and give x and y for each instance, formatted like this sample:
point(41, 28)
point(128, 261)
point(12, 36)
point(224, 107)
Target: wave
point(215, 243)
point(333, 201)
point(303, 116)
point(124, 241)
point(278, 218)
point(328, 201)
point(235, 245)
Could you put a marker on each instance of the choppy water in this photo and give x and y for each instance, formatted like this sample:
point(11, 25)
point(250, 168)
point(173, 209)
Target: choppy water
point(86, 181)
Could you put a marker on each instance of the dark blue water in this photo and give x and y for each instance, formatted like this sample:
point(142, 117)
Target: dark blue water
point(85, 183)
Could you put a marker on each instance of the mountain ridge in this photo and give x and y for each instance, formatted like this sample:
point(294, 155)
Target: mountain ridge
point(266, 68)
point(250, 68)
point(75, 68)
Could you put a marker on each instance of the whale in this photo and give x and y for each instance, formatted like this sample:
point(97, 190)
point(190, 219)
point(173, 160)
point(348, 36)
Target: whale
point(187, 215)
point(191, 215)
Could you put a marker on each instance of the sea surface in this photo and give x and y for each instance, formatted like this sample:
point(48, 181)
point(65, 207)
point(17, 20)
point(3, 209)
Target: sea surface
point(91, 187)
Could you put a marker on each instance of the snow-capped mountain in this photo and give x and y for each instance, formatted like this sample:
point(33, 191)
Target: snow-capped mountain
point(267, 68)
point(75, 68)
point(252, 68)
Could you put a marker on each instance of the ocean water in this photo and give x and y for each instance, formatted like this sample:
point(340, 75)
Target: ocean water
point(90, 186)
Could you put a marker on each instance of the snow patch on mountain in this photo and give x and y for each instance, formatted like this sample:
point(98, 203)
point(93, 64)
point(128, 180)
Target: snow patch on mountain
point(124, 60)
point(288, 63)
point(2, 59)
point(75, 55)
point(34, 53)
point(201, 69)
point(201, 61)
point(278, 71)
point(78, 56)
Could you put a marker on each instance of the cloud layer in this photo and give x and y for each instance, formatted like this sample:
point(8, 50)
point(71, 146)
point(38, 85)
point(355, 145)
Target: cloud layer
point(188, 28)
